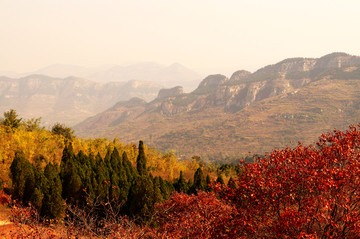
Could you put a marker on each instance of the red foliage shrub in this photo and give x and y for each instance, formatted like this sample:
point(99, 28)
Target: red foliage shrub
point(301, 192)
point(190, 216)
point(306, 191)
point(4, 198)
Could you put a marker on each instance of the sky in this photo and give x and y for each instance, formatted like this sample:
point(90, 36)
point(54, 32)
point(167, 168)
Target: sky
point(209, 36)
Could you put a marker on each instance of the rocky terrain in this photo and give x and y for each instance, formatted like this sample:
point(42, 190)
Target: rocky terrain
point(295, 99)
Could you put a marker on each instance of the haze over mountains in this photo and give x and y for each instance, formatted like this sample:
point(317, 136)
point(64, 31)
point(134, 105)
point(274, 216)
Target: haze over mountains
point(295, 99)
point(68, 100)
point(70, 94)
point(168, 76)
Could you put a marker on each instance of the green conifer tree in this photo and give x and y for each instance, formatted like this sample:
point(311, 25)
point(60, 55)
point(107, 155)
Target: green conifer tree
point(141, 198)
point(141, 160)
point(220, 180)
point(23, 177)
point(53, 204)
point(199, 182)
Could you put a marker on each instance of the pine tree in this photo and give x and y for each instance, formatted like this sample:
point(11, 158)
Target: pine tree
point(141, 160)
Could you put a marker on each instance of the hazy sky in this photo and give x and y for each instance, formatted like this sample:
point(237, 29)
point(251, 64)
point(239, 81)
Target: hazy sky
point(209, 36)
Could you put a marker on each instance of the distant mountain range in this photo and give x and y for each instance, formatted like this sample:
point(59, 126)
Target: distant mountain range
point(168, 76)
point(294, 100)
point(70, 94)
point(67, 100)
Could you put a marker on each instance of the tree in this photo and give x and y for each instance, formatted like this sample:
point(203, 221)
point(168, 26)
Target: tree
point(11, 119)
point(53, 206)
point(141, 198)
point(141, 160)
point(61, 129)
point(32, 124)
point(199, 181)
point(23, 177)
point(181, 185)
point(220, 180)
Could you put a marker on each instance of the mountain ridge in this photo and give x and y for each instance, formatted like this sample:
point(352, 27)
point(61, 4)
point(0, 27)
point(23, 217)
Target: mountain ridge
point(219, 99)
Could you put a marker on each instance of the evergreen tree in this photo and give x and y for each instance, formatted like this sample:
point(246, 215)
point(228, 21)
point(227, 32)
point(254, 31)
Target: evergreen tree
point(231, 183)
point(68, 153)
point(130, 171)
point(61, 129)
point(199, 182)
point(181, 185)
point(141, 160)
point(220, 180)
point(141, 198)
point(158, 197)
point(23, 177)
point(71, 181)
point(41, 186)
point(52, 205)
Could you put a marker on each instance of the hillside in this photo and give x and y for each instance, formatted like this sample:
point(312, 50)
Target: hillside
point(67, 100)
point(278, 105)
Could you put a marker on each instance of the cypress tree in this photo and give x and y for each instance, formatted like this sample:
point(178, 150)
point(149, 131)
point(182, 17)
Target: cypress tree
point(23, 177)
point(115, 160)
point(158, 197)
point(141, 198)
point(231, 183)
point(220, 180)
point(68, 153)
point(41, 186)
point(141, 160)
point(181, 185)
point(52, 204)
point(198, 181)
